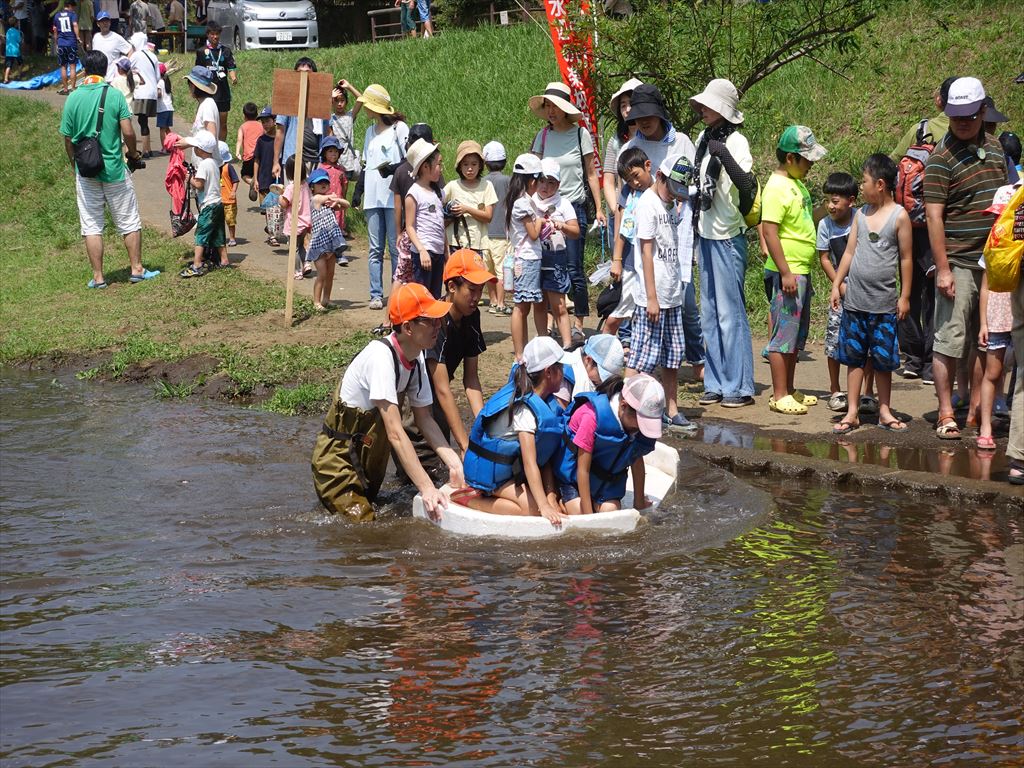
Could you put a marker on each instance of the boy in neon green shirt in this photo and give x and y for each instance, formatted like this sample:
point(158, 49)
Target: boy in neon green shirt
point(790, 236)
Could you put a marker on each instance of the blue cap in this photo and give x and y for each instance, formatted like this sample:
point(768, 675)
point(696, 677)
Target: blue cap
point(329, 141)
point(266, 112)
point(102, 15)
point(202, 78)
point(318, 175)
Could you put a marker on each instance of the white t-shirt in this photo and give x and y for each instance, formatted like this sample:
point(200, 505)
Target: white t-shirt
point(386, 146)
point(209, 171)
point(164, 102)
point(523, 246)
point(556, 208)
point(114, 46)
point(147, 67)
point(523, 420)
point(429, 222)
point(371, 376)
point(206, 113)
point(723, 221)
point(657, 151)
point(658, 221)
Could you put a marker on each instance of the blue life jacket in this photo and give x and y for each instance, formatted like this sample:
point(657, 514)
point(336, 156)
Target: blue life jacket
point(567, 373)
point(491, 462)
point(614, 450)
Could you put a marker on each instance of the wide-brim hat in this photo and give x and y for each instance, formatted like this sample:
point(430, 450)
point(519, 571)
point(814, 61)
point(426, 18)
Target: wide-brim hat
point(647, 102)
point(418, 153)
point(202, 78)
point(627, 87)
point(721, 96)
point(466, 148)
point(557, 94)
point(377, 99)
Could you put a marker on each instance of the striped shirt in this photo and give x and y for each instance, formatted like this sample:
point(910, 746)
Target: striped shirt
point(957, 178)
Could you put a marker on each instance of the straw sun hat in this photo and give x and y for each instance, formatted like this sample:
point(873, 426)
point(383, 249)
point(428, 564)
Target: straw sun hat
point(377, 99)
point(557, 94)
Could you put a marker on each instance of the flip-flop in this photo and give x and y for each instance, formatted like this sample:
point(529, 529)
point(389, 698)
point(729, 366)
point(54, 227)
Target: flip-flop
point(985, 443)
point(147, 274)
point(94, 284)
point(844, 428)
point(890, 426)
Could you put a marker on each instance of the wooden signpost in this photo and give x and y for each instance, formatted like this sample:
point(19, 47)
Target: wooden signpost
point(303, 95)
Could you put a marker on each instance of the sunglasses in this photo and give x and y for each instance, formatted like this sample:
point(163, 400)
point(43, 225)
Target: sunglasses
point(969, 118)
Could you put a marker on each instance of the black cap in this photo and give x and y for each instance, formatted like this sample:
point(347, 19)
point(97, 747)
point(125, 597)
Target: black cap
point(646, 102)
point(993, 115)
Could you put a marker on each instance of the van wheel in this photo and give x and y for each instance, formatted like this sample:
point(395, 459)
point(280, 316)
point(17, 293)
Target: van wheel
point(238, 40)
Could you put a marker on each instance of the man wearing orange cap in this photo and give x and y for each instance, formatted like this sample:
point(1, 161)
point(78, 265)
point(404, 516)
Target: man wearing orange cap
point(459, 342)
point(364, 424)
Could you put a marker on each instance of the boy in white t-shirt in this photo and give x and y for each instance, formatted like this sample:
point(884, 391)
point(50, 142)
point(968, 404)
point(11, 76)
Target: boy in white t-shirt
point(364, 424)
point(210, 222)
point(658, 317)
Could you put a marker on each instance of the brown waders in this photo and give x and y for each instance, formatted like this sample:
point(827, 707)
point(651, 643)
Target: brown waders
point(350, 460)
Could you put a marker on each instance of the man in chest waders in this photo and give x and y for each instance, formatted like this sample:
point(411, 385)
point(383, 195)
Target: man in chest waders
point(364, 423)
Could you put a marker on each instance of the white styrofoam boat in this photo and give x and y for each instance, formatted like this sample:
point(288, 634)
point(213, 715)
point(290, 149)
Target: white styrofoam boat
point(662, 468)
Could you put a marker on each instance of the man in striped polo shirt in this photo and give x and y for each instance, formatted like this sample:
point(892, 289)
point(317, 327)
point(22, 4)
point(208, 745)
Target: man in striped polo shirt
point(960, 178)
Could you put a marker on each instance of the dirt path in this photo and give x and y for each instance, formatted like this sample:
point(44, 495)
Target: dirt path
point(912, 400)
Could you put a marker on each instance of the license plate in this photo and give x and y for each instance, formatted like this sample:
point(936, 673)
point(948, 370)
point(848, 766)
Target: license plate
point(284, 37)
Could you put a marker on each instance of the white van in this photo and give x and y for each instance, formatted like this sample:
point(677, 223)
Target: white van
point(266, 23)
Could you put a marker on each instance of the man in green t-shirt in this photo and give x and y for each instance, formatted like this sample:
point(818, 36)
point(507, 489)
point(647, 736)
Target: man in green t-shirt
point(112, 187)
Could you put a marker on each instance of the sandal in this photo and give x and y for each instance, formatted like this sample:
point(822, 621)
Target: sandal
point(985, 443)
point(1016, 472)
point(947, 428)
point(844, 428)
point(893, 426)
point(192, 271)
point(803, 399)
point(838, 402)
point(298, 274)
point(319, 308)
point(787, 405)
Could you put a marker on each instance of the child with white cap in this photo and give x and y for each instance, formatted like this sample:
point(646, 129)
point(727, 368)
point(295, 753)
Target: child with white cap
point(424, 217)
point(559, 225)
point(658, 340)
point(496, 242)
point(210, 222)
point(514, 439)
point(609, 431)
point(524, 228)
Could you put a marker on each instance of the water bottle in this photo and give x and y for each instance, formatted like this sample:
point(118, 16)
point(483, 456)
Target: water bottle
point(506, 271)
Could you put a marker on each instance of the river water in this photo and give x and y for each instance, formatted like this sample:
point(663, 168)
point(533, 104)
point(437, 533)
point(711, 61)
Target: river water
point(170, 596)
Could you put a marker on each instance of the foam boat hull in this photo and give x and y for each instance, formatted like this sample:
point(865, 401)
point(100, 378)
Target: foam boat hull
point(662, 468)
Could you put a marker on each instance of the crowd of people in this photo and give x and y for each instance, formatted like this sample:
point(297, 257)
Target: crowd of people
point(901, 245)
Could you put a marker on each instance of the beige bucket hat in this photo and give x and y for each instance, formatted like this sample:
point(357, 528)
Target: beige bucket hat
point(721, 96)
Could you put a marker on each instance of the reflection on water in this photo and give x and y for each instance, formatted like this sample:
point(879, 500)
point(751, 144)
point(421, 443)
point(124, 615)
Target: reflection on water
point(963, 461)
point(170, 595)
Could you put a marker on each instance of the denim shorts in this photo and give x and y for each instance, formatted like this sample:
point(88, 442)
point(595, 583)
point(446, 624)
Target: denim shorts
point(423, 6)
point(996, 341)
point(869, 337)
point(554, 271)
point(791, 315)
point(526, 284)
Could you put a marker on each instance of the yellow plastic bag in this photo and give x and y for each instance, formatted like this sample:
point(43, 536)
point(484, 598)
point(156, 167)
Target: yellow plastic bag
point(1005, 246)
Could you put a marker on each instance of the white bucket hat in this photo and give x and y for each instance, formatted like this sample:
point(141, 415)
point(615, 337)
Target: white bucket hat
point(558, 94)
point(721, 96)
point(420, 150)
point(626, 87)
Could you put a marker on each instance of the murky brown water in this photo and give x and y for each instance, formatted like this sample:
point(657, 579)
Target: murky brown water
point(169, 597)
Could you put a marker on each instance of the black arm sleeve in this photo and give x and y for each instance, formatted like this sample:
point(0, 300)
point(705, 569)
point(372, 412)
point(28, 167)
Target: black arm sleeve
point(744, 181)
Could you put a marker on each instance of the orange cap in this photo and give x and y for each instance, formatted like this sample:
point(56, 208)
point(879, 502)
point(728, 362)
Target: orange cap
point(412, 300)
point(467, 263)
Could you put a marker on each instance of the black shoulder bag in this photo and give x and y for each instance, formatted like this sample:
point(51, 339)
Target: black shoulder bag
point(88, 155)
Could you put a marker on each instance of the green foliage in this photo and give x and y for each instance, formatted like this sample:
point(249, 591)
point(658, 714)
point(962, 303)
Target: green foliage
point(680, 45)
point(281, 363)
point(167, 390)
point(311, 397)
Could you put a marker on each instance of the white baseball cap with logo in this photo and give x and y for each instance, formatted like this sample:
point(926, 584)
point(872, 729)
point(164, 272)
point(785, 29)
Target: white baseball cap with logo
point(966, 97)
point(646, 396)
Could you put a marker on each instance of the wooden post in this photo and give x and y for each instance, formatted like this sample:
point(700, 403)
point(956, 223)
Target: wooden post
point(296, 201)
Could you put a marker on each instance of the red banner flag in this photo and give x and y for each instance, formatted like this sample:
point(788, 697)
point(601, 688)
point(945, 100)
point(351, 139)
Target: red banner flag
point(575, 55)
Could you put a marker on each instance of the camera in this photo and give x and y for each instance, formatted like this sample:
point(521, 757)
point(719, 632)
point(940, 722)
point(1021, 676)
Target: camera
point(136, 163)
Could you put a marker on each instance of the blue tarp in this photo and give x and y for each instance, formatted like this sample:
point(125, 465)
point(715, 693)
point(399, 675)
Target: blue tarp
point(37, 82)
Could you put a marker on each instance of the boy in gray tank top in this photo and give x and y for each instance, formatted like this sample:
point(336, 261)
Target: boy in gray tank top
point(880, 241)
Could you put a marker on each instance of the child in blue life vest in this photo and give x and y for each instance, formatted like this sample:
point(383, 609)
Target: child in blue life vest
point(515, 437)
point(609, 432)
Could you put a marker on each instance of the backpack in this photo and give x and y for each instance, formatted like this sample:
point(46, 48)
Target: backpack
point(910, 175)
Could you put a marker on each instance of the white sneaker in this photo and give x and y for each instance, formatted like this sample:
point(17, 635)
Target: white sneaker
point(376, 304)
